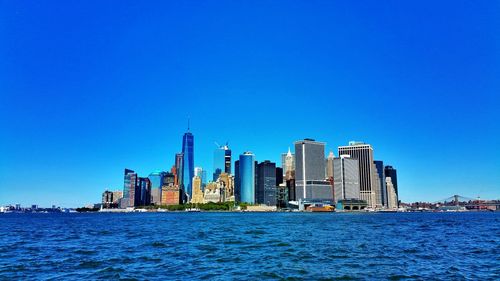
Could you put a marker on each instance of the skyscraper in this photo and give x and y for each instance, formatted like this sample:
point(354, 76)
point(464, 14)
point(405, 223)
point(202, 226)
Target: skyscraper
point(390, 172)
point(310, 171)
point(346, 178)
point(246, 177)
point(156, 179)
point(237, 186)
point(379, 165)
point(265, 190)
point(179, 164)
point(288, 163)
point(392, 199)
point(143, 192)
point(188, 163)
point(222, 161)
point(329, 165)
point(364, 153)
point(130, 182)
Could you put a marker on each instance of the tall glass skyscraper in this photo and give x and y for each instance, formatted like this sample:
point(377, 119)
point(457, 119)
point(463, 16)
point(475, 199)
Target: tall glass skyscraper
point(246, 177)
point(222, 161)
point(188, 163)
point(156, 179)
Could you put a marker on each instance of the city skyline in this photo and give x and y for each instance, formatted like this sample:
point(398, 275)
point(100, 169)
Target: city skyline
point(81, 99)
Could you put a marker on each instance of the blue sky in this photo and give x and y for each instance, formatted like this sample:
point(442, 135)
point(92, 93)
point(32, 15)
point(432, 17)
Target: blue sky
point(88, 88)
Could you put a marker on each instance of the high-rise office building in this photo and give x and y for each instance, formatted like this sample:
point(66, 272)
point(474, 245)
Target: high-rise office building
point(246, 177)
point(364, 153)
point(222, 161)
point(288, 163)
point(346, 178)
point(200, 172)
point(390, 172)
point(143, 192)
point(188, 163)
point(197, 192)
point(130, 182)
point(156, 179)
point(237, 187)
point(310, 171)
point(179, 164)
point(379, 165)
point(265, 189)
point(329, 165)
point(392, 198)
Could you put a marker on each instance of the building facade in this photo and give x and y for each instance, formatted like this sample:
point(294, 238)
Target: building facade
point(288, 163)
point(197, 191)
point(188, 163)
point(310, 182)
point(222, 161)
point(392, 199)
point(368, 186)
point(265, 189)
point(156, 179)
point(246, 177)
point(379, 165)
point(390, 172)
point(130, 182)
point(329, 165)
point(346, 178)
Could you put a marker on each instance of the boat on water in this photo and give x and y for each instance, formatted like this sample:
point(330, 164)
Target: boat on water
point(192, 210)
point(323, 208)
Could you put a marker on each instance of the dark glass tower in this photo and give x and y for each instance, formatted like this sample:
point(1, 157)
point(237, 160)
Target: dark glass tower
point(188, 163)
point(265, 189)
point(381, 174)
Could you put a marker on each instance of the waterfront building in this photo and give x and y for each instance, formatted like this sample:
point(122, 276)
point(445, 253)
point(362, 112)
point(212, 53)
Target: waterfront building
point(226, 183)
point(310, 171)
point(130, 182)
point(171, 195)
point(107, 199)
point(390, 172)
point(282, 195)
point(288, 163)
point(265, 189)
point(379, 166)
point(246, 177)
point(346, 178)
point(213, 193)
point(368, 186)
point(329, 165)
point(197, 191)
point(188, 163)
point(156, 179)
point(392, 198)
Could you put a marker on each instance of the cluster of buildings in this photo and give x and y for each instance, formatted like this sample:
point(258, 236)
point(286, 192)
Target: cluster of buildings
point(352, 180)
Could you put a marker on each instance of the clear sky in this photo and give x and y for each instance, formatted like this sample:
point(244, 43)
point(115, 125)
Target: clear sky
point(88, 88)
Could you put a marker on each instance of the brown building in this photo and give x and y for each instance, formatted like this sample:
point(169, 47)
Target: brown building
point(170, 195)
